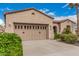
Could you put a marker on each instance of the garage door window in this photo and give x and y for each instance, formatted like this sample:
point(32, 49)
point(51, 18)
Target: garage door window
point(24, 27)
point(38, 27)
point(45, 27)
point(27, 27)
point(15, 27)
point(33, 27)
point(30, 27)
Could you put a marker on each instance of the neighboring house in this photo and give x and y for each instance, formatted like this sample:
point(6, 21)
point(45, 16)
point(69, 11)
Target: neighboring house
point(59, 26)
point(30, 24)
point(1, 28)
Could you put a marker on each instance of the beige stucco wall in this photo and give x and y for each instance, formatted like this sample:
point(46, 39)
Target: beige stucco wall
point(1, 30)
point(27, 17)
point(64, 24)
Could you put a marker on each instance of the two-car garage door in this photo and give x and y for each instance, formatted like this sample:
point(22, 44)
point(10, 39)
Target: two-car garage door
point(31, 31)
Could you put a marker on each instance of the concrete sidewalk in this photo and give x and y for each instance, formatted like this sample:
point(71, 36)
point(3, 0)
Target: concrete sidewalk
point(49, 48)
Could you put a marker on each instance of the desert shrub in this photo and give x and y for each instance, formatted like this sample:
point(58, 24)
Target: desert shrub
point(68, 38)
point(66, 31)
point(56, 36)
point(10, 45)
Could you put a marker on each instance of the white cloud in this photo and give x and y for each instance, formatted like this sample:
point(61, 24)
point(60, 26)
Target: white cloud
point(3, 9)
point(47, 11)
point(44, 10)
point(65, 5)
point(71, 17)
point(51, 14)
point(8, 8)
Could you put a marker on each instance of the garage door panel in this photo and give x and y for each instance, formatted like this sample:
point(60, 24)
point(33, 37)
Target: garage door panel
point(31, 31)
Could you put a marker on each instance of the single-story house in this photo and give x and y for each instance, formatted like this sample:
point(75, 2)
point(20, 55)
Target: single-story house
point(31, 24)
point(59, 26)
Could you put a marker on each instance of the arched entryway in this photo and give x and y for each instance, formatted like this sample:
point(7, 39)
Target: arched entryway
point(55, 29)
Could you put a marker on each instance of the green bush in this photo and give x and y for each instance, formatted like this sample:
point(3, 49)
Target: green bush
point(10, 45)
point(66, 31)
point(56, 36)
point(68, 38)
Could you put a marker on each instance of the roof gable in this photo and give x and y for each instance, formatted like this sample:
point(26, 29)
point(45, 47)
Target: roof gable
point(68, 20)
point(28, 10)
point(61, 21)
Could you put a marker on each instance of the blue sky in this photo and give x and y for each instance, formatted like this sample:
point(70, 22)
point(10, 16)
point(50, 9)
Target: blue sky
point(61, 10)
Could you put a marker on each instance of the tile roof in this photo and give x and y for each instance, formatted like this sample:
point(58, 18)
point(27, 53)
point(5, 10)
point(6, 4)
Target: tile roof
point(60, 21)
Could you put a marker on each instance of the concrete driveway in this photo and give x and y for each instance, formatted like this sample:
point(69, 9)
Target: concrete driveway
point(49, 48)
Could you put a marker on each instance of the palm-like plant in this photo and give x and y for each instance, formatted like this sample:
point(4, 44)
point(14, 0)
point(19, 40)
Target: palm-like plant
point(76, 5)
